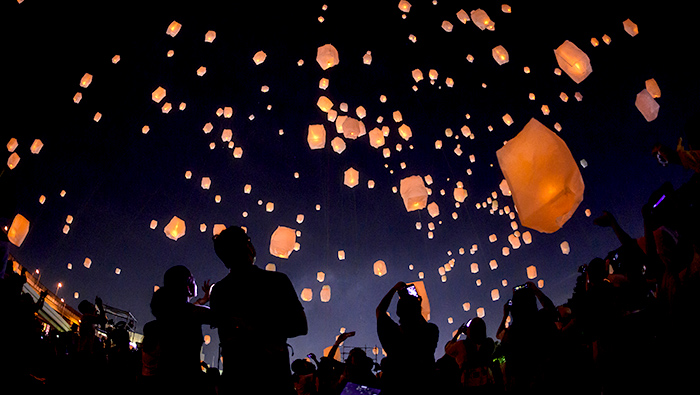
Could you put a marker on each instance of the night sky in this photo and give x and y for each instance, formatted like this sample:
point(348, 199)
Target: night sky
point(118, 179)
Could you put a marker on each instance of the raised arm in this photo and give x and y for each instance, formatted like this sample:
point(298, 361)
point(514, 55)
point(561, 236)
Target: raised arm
point(386, 300)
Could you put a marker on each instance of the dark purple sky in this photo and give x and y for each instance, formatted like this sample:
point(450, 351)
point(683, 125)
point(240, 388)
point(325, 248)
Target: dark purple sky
point(118, 180)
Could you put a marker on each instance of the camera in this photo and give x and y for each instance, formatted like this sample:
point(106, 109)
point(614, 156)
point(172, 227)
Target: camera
point(409, 290)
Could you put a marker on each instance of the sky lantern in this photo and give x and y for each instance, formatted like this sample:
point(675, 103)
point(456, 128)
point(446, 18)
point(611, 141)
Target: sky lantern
point(226, 135)
point(514, 241)
point(367, 58)
point(414, 193)
point(433, 209)
point(351, 177)
point(527, 237)
point(307, 294)
point(13, 160)
point(531, 272)
point(404, 6)
point(446, 26)
point(325, 293)
point(573, 61)
point(653, 88)
point(324, 103)
point(482, 20)
point(495, 295)
point(630, 27)
point(338, 145)
point(175, 228)
point(376, 138)
point(647, 105)
point(323, 83)
point(116, 59)
point(463, 16)
point(154, 224)
point(316, 136)
point(18, 230)
point(565, 249)
point(341, 255)
point(173, 29)
point(500, 55)
point(228, 112)
point(36, 146)
point(158, 94)
point(86, 80)
point(327, 56)
point(459, 194)
point(12, 145)
point(417, 75)
point(206, 182)
point(361, 112)
point(543, 177)
point(352, 128)
point(405, 132)
point(282, 242)
point(397, 116)
point(259, 57)
point(210, 36)
point(474, 268)
point(379, 268)
point(87, 263)
point(425, 302)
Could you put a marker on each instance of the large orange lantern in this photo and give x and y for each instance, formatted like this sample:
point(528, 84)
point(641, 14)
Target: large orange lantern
point(18, 230)
point(543, 177)
point(327, 56)
point(175, 228)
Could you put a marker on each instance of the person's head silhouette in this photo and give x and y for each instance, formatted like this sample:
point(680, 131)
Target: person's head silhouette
point(234, 248)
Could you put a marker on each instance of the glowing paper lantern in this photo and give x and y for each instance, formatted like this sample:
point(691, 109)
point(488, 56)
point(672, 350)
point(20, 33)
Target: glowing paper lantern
point(379, 268)
point(653, 88)
point(259, 57)
point(433, 209)
point(500, 55)
point(376, 138)
point(397, 116)
point(351, 177)
point(414, 193)
point(218, 228)
point(405, 132)
point(338, 145)
point(565, 249)
point(531, 272)
point(324, 103)
point(154, 224)
point(495, 295)
point(18, 230)
point(325, 293)
point(12, 145)
point(474, 267)
point(630, 27)
point(404, 6)
point(573, 61)
point(545, 181)
point(86, 80)
point(206, 182)
point(352, 128)
point(367, 59)
point(316, 136)
point(460, 194)
point(482, 20)
point(527, 237)
point(87, 263)
point(201, 71)
point(307, 294)
point(158, 94)
point(463, 16)
point(446, 26)
point(647, 105)
point(341, 255)
point(36, 146)
point(282, 242)
point(210, 36)
point(327, 56)
point(13, 160)
point(173, 29)
point(175, 228)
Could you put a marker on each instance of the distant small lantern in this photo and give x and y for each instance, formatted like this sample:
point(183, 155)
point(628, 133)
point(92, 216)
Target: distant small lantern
point(379, 268)
point(307, 294)
point(86, 80)
point(531, 272)
point(405, 132)
point(36, 146)
point(630, 27)
point(158, 94)
point(338, 145)
point(325, 293)
point(647, 105)
point(210, 36)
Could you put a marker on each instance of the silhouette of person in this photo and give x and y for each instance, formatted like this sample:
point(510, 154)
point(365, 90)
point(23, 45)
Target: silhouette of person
point(410, 345)
point(178, 331)
point(256, 311)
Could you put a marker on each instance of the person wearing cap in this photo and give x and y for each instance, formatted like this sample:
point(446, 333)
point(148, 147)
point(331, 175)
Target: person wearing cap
point(255, 311)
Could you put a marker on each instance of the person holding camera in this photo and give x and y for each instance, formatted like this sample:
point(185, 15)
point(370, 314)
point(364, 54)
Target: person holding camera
point(474, 356)
point(410, 344)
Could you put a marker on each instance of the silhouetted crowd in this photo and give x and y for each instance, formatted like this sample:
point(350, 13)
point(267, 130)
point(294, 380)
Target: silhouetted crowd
point(629, 327)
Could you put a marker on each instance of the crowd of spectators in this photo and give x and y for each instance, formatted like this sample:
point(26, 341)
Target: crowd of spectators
point(628, 327)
